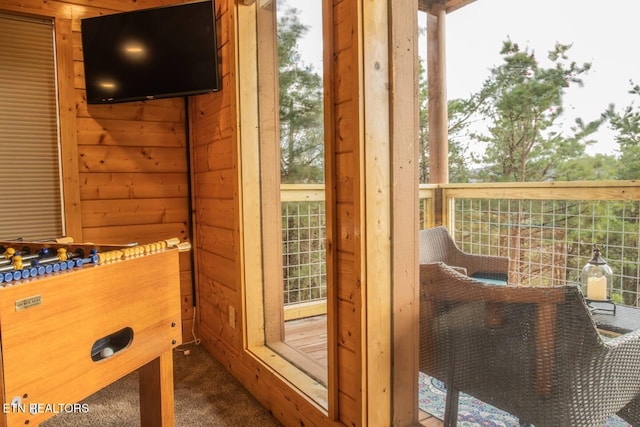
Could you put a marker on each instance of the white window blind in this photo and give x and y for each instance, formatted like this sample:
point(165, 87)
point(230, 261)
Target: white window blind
point(30, 195)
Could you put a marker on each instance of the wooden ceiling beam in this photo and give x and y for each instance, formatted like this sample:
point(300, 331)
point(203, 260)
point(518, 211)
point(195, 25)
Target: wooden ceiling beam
point(447, 5)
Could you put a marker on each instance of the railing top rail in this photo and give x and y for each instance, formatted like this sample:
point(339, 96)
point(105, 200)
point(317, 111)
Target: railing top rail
point(554, 190)
point(295, 187)
point(570, 190)
point(545, 184)
point(302, 192)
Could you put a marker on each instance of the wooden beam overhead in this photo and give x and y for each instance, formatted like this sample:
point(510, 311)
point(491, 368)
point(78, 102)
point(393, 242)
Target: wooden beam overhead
point(447, 5)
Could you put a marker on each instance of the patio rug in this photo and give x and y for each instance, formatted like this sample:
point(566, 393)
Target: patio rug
point(471, 411)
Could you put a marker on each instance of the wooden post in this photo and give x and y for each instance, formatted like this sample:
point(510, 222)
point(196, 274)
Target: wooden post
point(405, 208)
point(376, 214)
point(437, 87)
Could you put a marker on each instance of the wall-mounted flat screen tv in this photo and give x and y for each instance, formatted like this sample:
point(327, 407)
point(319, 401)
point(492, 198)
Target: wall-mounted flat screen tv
point(151, 53)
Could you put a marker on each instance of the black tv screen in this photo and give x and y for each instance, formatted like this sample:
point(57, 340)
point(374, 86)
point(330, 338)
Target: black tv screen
point(151, 53)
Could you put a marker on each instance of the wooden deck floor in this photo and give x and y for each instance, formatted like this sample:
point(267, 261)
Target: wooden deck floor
point(309, 336)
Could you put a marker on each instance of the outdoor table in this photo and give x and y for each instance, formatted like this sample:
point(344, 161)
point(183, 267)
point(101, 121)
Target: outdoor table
point(626, 319)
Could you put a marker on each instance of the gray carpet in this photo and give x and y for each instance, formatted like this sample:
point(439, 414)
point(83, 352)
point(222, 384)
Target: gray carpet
point(205, 395)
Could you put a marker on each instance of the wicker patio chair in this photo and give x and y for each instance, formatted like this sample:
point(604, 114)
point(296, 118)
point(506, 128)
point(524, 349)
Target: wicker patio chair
point(436, 245)
point(531, 351)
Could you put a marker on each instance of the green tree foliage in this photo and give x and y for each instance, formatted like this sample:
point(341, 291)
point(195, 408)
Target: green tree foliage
point(522, 103)
point(301, 162)
point(423, 130)
point(626, 124)
point(599, 167)
point(301, 107)
point(460, 112)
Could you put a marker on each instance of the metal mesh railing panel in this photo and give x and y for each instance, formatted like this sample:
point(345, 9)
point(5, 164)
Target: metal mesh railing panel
point(549, 241)
point(303, 251)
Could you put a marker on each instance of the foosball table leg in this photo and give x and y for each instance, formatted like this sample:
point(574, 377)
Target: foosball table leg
point(156, 392)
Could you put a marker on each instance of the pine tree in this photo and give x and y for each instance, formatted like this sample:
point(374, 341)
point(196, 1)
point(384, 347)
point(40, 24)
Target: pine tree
point(626, 124)
point(301, 107)
point(523, 102)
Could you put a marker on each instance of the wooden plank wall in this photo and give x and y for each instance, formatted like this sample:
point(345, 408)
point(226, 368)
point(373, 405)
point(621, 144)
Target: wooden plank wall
point(217, 218)
point(125, 166)
point(126, 178)
point(215, 190)
point(217, 199)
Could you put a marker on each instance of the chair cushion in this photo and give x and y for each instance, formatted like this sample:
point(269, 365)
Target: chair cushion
point(491, 278)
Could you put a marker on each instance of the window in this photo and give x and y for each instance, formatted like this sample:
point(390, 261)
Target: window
point(31, 205)
point(296, 289)
point(291, 289)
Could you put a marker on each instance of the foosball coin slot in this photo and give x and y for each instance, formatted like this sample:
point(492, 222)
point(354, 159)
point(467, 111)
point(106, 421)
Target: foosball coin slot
point(111, 344)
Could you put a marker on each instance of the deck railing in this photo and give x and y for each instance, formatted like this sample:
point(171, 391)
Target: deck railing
point(547, 230)
point(303, 247)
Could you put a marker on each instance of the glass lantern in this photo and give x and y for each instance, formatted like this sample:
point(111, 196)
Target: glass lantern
point(597, 278)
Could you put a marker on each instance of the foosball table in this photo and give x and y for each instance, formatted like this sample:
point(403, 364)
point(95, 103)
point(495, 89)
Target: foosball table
point(74, 318)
